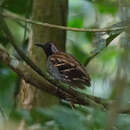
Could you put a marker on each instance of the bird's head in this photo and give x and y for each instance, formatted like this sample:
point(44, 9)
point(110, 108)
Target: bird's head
point(48, 47)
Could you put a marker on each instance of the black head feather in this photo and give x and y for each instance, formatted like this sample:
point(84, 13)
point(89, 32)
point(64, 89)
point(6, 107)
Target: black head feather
point(48, 47)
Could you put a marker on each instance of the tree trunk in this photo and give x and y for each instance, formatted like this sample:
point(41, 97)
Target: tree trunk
point(54, 12)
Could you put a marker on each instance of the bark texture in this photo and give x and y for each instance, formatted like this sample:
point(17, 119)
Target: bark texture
point(54, 12)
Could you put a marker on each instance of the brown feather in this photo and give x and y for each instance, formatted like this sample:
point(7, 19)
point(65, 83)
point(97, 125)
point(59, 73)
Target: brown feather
point(73, 72)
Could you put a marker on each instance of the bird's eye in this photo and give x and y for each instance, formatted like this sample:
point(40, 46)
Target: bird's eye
point(53, 48)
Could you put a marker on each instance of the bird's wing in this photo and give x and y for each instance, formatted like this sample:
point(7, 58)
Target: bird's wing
point(70, 68)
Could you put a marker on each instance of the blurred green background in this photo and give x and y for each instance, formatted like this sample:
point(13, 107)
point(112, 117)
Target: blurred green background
point(103, 68)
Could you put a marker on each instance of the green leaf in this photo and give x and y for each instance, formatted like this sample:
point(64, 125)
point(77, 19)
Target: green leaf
point(7, 87)
point(21, 114)
point(108, 7)
point(18, 6)
point(66, 118)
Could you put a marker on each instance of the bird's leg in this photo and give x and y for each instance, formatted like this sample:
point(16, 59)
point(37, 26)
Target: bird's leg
point(72, 105)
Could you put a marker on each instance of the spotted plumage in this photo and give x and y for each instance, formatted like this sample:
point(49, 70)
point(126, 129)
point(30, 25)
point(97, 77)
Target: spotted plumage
point(65, 67)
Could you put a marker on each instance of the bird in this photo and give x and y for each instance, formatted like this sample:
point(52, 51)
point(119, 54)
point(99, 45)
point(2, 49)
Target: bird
point(65, 67)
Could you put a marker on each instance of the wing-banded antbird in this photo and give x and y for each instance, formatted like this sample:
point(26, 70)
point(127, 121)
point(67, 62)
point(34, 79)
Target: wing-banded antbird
point(64, 67)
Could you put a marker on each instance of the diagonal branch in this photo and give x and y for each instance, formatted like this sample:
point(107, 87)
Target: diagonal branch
point(30, 76)
point(111, 36)
point(97, 51)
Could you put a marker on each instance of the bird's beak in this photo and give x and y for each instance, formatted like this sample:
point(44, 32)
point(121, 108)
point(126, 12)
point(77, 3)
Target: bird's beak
point(39, 45)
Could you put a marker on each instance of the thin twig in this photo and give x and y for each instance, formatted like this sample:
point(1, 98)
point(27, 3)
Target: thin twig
point(10, 15)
